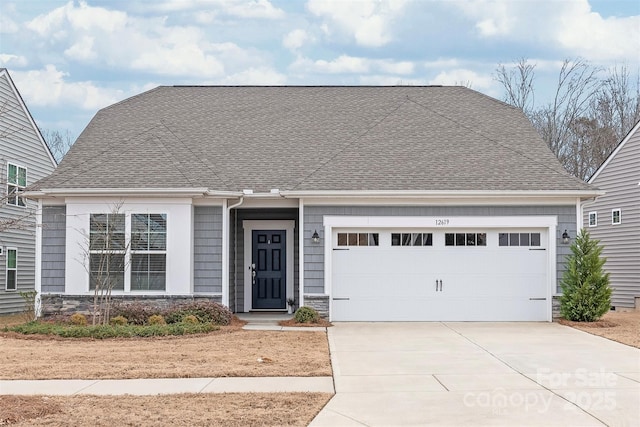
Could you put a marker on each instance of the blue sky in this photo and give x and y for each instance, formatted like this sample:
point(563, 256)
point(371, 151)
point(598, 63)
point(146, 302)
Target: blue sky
point(71, 58)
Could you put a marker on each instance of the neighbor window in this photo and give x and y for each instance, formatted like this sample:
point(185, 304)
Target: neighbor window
point(616, 216)
point(148, 252)
point(593, 219)
point(358, 239)
point(12, 270)
point(465, 239)
point(16, 182)
point(411, 239)
point(106, 251)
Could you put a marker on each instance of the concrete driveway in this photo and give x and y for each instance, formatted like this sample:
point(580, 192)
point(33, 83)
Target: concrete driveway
point(542, 374)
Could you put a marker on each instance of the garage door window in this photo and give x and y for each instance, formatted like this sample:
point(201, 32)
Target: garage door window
point(411, 239)
point(465, 239)
point(519, 239)
point(358, 239)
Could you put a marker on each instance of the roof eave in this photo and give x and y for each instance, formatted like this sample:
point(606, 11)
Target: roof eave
point(442, 194)
point(130, 192)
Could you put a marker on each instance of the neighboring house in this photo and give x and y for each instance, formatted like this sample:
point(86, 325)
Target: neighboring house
point(24, 159)
point(368, 203)
point(614, 219)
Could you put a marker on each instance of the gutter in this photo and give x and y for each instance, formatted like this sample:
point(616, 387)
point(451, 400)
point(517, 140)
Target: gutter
point(471, 194)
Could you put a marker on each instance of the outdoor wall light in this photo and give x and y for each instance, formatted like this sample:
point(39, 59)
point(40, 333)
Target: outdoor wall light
point(565, 237)
point(315, 238)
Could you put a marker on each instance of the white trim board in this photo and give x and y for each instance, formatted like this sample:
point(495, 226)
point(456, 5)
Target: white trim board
point(249, 226)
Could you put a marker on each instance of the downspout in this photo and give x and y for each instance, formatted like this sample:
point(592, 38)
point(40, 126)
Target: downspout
point(235, 251)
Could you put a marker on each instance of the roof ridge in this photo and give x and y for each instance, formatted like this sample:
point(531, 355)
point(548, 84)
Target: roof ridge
point(349, 143)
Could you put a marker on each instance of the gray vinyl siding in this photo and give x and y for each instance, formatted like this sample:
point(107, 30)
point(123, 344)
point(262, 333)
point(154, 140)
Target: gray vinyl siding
point(621, 243)
point(236, 255)
point(313, 218)
point(54, 232)
point(207, 249)
point(19, 145)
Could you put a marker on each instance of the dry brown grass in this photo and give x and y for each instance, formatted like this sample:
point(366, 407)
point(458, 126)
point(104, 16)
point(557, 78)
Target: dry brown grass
point(620, 326)
point(323, 323)
point(232, 409)
point(230, 352)
point(12, 319)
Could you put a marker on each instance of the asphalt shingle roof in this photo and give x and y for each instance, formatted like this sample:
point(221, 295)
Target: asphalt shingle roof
point(311, 138)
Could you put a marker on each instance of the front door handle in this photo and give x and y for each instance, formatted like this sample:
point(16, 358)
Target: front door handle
point(252, 267)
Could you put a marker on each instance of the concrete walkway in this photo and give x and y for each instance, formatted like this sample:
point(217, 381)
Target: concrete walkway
point(168, 386)
point(526, 374)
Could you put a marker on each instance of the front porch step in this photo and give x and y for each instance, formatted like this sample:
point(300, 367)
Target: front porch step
point(264, 318)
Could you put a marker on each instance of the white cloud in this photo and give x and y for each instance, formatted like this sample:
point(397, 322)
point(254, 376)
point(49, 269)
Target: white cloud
point(8, 60)
point(382, 80)
point(463, 77)
point(261, 9)
point(369, 22)
point(7, 25)
point(346, 64)
point(295, 39)
point(256, 76)
point(569, 25)
point(82, 49)
point(48, 88)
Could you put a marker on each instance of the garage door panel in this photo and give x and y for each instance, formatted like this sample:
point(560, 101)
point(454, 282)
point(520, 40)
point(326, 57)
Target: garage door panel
point(440, 283)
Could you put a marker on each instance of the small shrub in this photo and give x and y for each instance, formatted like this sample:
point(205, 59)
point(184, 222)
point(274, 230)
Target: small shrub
point(306, 315)
point(136, 313)
point(156, 319)
point(190, 319)
point(118, 321)
point(78, 319)
point(111, 331)
point(204, 311)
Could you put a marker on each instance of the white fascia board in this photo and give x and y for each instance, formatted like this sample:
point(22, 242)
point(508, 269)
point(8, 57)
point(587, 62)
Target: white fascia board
point(443, 221)
point(441, 194)
point(143, 192)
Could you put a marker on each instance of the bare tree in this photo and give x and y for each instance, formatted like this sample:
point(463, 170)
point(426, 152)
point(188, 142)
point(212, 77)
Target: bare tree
point(103, 256)
point(587, 116)
point(59, 142)
point(518, 84)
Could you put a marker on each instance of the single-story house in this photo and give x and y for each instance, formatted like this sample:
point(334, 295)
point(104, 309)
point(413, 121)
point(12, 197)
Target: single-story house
point(614, 219)
point(24, 159)
point(367, 203)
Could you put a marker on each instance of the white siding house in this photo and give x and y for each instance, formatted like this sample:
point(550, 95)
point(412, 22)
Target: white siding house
point(614, 219)
point(24, 159)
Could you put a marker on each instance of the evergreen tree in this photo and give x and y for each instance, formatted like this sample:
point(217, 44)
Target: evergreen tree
point(586, 294)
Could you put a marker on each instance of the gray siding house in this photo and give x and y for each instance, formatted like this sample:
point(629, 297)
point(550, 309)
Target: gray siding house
point(24, 159)
point(614, 219)
point(368, 203)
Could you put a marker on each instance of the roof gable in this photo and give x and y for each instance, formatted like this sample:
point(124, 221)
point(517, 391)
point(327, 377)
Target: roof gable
point(615, 152)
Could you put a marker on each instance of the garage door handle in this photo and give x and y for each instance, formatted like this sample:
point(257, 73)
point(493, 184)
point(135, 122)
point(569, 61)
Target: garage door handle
point(537, 249)
point(438, 284)
point(341, 299)
point(537, 299)
point(340, 249)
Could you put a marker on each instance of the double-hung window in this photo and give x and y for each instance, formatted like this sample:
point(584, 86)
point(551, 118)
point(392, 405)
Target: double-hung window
point(107, 251)
point(148, 252)
point(12, 270)
point(16, 183)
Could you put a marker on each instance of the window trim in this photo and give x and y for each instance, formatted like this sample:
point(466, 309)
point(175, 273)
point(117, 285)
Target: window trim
point(19, 188)
point(148, 252)
point(613, 216)
point(595, 217)
point(7, 269)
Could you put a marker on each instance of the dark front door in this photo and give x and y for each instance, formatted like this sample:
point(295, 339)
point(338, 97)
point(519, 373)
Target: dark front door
point(269, 263)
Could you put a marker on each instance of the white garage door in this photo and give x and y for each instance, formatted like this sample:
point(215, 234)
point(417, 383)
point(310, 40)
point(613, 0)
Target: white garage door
point(439, 275)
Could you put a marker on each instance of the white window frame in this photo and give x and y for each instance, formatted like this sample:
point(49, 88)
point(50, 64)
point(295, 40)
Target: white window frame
point(7, 269)
point(19, 188)
point(595, 217)
point(133, 251)
point(613, 215)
